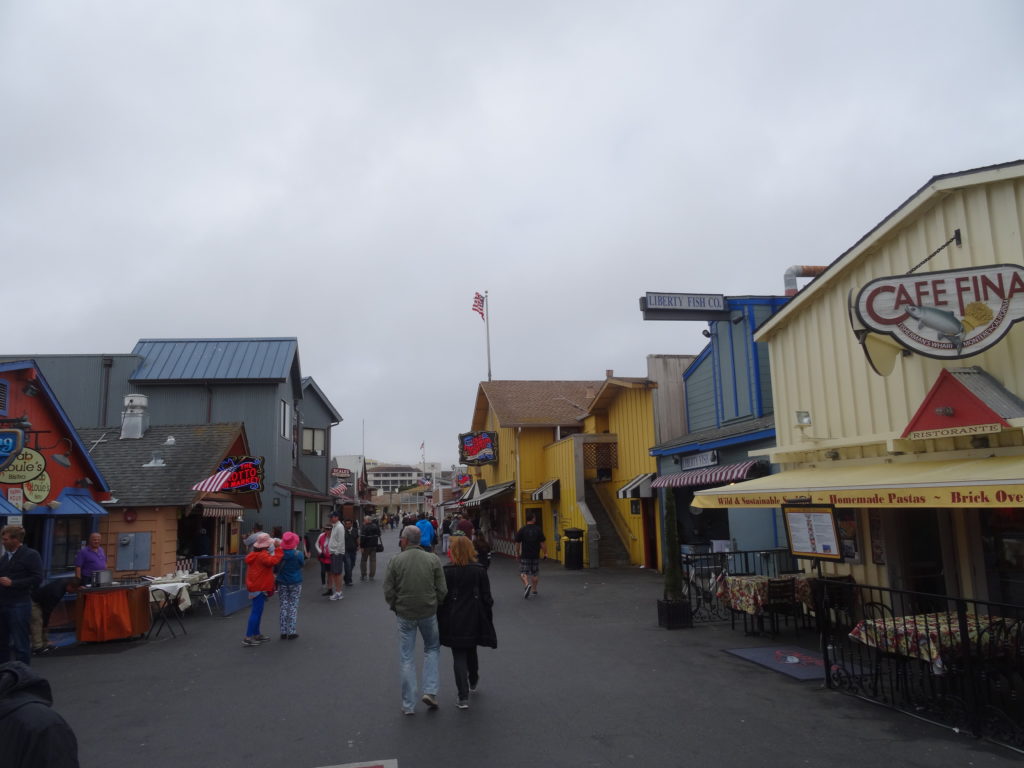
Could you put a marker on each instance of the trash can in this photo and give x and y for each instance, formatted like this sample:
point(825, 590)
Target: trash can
point(574, 549)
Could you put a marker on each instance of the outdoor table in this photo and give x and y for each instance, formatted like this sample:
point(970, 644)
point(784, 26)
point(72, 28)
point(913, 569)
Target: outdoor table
point(112, 613)
point(749, 594)
point(188, 579)
point(167, 596)
point(923, 636)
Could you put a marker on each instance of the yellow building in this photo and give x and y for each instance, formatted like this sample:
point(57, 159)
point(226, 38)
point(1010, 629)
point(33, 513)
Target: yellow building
point(577, 453)
point(897, 378)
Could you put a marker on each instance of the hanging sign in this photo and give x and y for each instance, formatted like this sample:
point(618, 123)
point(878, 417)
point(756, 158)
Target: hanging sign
point(247, 474)
point(477, 448)
point(948, 314)
point(11, 443)
point(27, 465)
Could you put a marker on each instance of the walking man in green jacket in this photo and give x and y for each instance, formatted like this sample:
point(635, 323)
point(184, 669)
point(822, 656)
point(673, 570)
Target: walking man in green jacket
point(414, 587)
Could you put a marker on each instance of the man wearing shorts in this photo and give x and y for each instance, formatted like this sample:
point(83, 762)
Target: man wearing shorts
point(336, 546)
point(530, 548)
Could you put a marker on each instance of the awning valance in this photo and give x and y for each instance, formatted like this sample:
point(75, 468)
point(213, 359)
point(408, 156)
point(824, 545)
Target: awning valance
point(991, 482)
point(637, 488)
point(723, 473)
point(546, 492)
point(490, 493)
point(223, 509)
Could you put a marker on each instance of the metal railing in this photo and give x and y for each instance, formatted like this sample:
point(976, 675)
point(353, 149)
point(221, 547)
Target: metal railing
point(703, 574)
point(955, 662)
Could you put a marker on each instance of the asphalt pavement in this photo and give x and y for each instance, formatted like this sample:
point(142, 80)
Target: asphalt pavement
point(582, 676)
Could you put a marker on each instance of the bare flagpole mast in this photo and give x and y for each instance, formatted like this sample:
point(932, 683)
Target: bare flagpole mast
point(487, 324)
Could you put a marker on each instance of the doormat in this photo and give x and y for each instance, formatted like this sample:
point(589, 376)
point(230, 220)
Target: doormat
point(798, 663)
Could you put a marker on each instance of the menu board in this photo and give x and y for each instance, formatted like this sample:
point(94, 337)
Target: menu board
point(812, 532)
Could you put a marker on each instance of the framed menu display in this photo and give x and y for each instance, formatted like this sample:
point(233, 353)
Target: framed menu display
point(812, 531)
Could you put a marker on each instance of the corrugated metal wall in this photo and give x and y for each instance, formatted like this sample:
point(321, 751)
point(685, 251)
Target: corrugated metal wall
point(631, 420)
point(700, 396)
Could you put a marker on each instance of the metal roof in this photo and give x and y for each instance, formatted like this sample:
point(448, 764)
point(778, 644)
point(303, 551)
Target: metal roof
point(984, 386)
point(268, 359)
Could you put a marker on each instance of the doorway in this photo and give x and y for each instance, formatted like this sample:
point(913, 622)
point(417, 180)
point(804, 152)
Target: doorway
point(924, 545)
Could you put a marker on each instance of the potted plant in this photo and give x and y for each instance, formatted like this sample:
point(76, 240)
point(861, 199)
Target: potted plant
point(674, 607)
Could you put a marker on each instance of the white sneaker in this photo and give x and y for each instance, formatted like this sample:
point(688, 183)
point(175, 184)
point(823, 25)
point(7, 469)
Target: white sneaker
point(337, 596)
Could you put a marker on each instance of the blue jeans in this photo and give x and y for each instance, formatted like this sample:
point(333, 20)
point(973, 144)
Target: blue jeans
point(407, 629)
point(255, 614)
point(15, 620)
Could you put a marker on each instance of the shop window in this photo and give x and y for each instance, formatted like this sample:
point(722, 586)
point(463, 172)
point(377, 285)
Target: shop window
point(313, 442)
point(69, 535)
point(286, 420)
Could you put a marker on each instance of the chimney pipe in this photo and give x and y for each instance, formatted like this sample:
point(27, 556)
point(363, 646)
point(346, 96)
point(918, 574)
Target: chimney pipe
point(799, 271)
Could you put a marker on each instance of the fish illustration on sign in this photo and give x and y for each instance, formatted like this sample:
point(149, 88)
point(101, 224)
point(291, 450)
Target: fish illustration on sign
point(945, 324)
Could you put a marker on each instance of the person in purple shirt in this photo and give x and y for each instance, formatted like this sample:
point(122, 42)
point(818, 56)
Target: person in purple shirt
point(90, 558)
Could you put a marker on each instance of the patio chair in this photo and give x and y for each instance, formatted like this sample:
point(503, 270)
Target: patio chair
point(781, 601)
point(207, 590)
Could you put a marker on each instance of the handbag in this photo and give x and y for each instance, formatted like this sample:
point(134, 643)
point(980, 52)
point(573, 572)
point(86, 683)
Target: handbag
point(380, 545)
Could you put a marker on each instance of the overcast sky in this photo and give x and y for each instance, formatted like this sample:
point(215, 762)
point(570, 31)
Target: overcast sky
point(350, 173)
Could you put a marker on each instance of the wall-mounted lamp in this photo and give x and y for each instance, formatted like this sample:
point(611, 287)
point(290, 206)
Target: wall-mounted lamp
point(944, 410)
point(706, 333)
point(31, 389)
point(737, 320)
point(677, 460)
point(28, 506)
point(64, 459)
point(54, 504)
point(803, 419)
point(83, 482)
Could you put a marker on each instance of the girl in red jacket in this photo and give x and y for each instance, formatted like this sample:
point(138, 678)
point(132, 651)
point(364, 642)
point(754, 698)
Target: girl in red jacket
point(259, 580)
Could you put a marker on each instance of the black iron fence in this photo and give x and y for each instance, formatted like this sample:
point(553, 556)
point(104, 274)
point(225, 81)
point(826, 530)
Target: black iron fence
point(703, 574)
point(959, 663)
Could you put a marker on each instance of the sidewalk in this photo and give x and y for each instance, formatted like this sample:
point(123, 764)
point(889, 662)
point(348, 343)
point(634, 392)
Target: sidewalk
point(582, 677)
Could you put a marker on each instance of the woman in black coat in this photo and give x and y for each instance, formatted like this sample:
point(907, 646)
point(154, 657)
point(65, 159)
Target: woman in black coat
point(465, 619)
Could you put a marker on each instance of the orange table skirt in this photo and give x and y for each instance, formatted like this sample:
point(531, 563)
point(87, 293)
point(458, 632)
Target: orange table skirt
point(112, 614)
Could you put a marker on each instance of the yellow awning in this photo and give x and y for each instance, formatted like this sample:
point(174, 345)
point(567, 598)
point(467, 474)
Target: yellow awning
point(992, 482)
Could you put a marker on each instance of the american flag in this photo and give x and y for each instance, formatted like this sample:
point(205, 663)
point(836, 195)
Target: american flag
point(338, 490)
point(478, 304)
point(214, 483)
point(425, 481)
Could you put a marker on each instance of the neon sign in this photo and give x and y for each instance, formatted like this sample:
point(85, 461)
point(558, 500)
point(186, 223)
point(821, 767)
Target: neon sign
point(477, 448)
point(247, 474)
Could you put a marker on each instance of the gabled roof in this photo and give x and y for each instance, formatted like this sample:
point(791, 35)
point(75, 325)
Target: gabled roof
point(611, 388)
point(65, 421)
point(935, 188)
point(310, 384)
point(174, 360)
point(534, 403)
point(195, 454)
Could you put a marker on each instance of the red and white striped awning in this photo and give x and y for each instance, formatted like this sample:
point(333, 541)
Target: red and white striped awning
point(708, 476)
point(214, 483)
point(338, 490)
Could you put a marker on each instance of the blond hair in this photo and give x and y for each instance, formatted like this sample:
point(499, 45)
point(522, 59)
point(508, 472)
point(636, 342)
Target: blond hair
point(461, 550)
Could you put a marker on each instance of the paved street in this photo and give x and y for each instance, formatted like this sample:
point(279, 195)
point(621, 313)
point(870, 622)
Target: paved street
point(582, 677)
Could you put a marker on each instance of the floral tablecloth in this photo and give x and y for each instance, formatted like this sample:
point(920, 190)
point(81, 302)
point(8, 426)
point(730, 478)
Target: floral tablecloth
point(749, 594)
point(925, 636)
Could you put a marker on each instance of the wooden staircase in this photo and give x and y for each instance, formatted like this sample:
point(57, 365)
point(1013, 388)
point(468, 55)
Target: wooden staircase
point(611, 552)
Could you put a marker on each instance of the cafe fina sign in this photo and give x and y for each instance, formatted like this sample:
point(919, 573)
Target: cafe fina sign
point(948, 314)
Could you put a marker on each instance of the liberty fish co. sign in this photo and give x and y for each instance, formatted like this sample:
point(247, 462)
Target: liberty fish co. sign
point(952, 313)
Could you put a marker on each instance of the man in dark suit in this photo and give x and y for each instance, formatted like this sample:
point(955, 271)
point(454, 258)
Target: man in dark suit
point(21, 571)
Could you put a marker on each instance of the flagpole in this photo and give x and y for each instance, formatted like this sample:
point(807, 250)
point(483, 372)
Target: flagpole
point(487, 324)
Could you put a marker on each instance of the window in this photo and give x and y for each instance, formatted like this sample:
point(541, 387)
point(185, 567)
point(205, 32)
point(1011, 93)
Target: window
point(313, 442)
point(286, 420)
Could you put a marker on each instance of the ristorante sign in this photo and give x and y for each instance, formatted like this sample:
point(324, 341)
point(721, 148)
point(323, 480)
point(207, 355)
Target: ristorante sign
point(948, 314)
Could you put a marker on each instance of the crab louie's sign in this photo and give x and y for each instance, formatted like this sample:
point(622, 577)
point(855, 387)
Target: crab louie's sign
point(951, 313)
